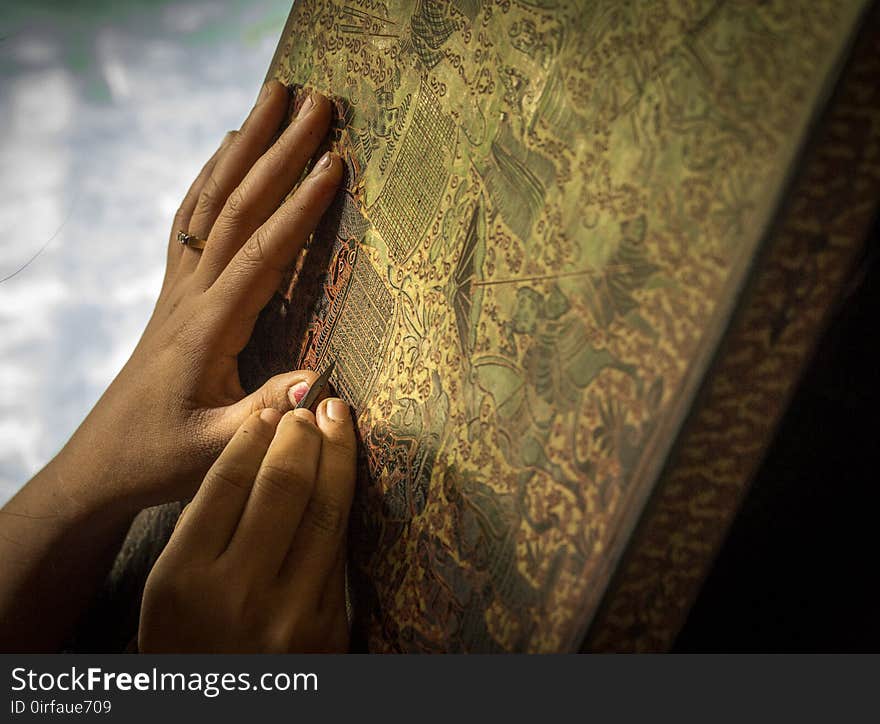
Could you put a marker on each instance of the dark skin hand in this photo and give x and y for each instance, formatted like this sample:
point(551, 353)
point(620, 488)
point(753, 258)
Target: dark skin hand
point(257, 561)
point(178, 401)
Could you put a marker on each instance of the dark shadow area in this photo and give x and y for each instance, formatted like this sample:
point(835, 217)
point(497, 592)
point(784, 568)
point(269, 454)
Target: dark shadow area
point(798, 571)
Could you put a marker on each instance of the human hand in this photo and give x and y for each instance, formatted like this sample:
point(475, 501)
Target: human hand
point(257, 560)
point(178, 400)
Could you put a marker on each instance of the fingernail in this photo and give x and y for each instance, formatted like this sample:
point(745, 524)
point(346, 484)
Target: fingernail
point(323, 163)
point(306, 106)
point(337, 410)
point(297, 392)
point(270, 415)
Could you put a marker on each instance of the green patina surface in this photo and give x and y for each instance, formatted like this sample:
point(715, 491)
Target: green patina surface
point(550, 208)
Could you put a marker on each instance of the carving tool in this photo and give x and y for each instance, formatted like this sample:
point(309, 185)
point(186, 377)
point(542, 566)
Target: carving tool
point(316, 389)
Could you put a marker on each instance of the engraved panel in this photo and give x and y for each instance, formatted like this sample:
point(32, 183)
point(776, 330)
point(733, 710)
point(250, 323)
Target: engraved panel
point(564, 200)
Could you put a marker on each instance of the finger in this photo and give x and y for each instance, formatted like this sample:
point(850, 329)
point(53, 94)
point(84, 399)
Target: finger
point(245, 148)
point(180, 517)
point(316, 545)
point(255, 272)
point(280, 495)
point(265, 186)
point(184, 212)
point(282, 392)
point(214, 512)
point(333, 598)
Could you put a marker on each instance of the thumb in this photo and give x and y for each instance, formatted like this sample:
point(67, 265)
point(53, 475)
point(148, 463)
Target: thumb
point(281, 393)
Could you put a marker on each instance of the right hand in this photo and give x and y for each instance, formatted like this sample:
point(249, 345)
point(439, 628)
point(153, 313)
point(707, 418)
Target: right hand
point(257, 560)
point(178, 400)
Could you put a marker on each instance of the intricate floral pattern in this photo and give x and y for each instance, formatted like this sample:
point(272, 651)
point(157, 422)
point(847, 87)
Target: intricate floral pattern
point(549, 211)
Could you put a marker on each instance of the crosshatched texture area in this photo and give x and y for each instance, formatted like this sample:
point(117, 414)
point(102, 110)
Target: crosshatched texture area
point(417, 179)
point(358, 336)
point(560, 206)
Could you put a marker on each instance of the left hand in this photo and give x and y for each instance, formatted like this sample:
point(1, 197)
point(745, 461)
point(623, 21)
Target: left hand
point(178, 400)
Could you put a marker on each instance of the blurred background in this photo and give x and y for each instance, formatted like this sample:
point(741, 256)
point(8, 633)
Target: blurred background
point(108, 110)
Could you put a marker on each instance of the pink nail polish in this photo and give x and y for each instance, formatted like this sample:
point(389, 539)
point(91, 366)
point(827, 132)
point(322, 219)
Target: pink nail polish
point(297, 392)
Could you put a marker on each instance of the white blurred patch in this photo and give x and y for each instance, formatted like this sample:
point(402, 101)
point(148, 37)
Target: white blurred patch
point(109, 48)
point(100, 155)
point(32, 49)
point(187, 18)
point(35, 149)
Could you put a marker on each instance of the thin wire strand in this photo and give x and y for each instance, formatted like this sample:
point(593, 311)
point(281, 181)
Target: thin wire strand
point(45, 245)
